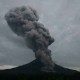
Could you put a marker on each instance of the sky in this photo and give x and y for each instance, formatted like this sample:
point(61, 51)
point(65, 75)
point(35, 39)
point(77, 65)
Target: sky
point(61, 17)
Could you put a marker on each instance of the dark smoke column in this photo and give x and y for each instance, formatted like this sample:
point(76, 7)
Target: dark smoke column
point(24, 22)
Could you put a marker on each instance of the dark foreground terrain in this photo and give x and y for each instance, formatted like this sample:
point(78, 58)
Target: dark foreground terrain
point(32, 70)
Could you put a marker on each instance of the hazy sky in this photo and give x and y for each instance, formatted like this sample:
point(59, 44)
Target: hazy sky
point(61, 17)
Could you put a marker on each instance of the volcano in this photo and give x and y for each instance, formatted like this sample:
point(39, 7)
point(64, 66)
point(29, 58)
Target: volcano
point(34, 68)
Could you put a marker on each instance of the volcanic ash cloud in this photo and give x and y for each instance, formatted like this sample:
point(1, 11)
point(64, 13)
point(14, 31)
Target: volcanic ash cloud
point(24, 22)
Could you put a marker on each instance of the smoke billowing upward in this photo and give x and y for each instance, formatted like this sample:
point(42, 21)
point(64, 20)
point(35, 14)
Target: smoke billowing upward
point(24, 22)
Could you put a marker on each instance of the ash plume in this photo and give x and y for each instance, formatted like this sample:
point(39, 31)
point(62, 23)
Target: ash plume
point(24, 22)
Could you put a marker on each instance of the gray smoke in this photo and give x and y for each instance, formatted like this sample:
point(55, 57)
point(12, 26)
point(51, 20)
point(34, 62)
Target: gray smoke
point(24, 22)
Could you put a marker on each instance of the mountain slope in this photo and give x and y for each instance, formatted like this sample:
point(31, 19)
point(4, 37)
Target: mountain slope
point(34, 67)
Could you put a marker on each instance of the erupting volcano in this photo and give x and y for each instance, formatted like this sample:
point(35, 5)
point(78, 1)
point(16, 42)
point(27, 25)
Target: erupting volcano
point(24, 22)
